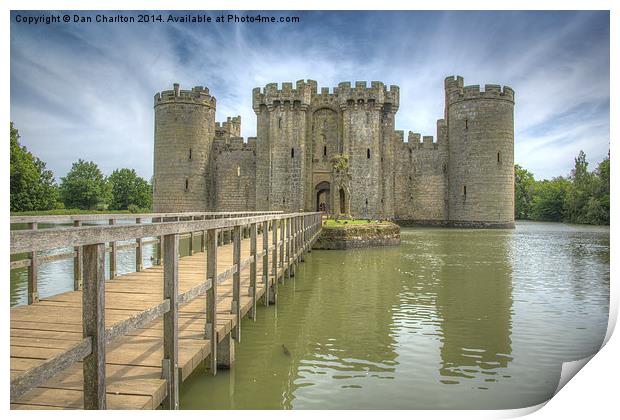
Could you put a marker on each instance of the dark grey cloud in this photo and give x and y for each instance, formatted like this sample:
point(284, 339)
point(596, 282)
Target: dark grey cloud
point(85, 91)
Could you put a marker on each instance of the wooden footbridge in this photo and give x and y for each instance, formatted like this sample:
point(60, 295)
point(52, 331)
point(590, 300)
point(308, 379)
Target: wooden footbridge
point(128, 341)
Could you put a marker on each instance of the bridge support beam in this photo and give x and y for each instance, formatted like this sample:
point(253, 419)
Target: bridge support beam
point(226, 352)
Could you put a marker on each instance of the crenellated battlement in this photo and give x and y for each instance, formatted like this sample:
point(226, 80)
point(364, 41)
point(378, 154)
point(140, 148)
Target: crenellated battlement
point(229, 128)
point(272, 96)
point(234, 144)
point(377, 93)
point(415, 141)
point(456, 91)
point(198, 95)
point(344, 94)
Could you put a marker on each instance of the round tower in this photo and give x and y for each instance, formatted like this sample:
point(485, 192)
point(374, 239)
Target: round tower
point(481, 154)
point(184, 131)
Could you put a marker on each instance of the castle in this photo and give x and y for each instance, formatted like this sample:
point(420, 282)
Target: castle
point(465, 178)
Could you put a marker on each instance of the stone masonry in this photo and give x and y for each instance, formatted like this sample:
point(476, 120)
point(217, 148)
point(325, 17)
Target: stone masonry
point(464, 178)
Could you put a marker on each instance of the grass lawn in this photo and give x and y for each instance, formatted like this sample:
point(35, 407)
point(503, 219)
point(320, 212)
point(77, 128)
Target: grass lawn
point(334, 223)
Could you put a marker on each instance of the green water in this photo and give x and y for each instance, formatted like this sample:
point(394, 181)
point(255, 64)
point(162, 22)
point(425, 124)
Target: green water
point(450, 319)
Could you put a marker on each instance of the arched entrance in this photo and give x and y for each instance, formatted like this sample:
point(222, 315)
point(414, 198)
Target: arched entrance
point(322, 196)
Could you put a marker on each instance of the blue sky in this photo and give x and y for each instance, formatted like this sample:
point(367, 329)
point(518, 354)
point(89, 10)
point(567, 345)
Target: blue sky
point(86, 91)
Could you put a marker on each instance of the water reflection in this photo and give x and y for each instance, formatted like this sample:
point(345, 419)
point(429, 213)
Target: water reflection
point(474, 303)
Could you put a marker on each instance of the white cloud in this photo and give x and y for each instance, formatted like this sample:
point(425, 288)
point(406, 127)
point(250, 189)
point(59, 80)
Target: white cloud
point(86, 91)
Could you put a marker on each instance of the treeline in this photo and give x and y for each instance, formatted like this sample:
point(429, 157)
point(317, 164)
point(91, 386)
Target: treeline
point(582, 197)
point(33, 187)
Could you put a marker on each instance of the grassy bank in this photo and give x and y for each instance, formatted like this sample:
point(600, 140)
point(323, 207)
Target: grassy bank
point(331, 223)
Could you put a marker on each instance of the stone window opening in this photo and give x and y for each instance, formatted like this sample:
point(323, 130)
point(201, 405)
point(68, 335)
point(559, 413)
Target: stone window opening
point(238, 171)
point(293, 153)
point(279, 122)
point(466, 124)
point(464, 190)
point(186, 184)
point(367, 118)
point(324, 150)
point(499, 157)
point(190, 153)
point(367, 153)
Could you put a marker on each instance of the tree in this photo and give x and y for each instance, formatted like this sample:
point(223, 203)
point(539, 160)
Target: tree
point(549, 199)
point(583, 186)
point(32, 185)
point(598, 210)
point(129, 189)
point(342, 177)
point(524, 192)
point(85, 187)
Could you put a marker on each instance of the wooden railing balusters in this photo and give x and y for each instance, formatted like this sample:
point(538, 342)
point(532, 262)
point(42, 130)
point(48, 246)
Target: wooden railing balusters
point(112, 253)
point(170, 363)
point(274, 261)
point(253, 286)
point(93, 326)
point(33, 272)
point(211, 302)
point(266, 262)
point(138, 249)
point(77, 262)
point(236, 299)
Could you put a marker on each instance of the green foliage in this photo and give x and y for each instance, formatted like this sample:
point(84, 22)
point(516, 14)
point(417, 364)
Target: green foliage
point(583, 197)
point(32, 185)
point(549, 199)
point(129, 191)
point(85, 187)
point(63, 211)
point(340, 163)
point(524, 192)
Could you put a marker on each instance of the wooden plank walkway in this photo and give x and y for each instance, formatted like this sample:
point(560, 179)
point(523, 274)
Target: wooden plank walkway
point(45, 329)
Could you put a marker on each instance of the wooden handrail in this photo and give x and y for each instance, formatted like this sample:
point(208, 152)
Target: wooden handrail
point(41, 239)
point(70, 218)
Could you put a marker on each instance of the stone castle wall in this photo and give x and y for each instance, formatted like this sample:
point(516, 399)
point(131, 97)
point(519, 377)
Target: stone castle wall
point(184, 129)
point(481, 154)
point(234, 163)
point(465, 178)
point(421, 181)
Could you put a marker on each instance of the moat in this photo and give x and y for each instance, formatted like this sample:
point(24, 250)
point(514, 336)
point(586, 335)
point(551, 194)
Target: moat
point(449, 319)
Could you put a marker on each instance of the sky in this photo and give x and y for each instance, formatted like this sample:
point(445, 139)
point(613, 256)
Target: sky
point(86, 90)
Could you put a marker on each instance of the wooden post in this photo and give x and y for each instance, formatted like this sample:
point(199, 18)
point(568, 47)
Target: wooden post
point(191, 240)
point(33, 282)
point(282, 240)
point(211, 304)
point(203, 237)
point(295, 242)
point(273, 295)
point(303, 237)
point(287, 234)
point(112, 254)
point(266, 262)
point(77, 262)
point(138, 249)
point(170, 363)
point(236, 300)
point(93, 326)
point(253, 288)
point(158, 246)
